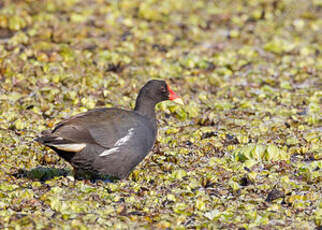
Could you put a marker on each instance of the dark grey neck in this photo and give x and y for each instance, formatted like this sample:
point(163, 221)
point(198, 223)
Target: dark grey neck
point(145, 106)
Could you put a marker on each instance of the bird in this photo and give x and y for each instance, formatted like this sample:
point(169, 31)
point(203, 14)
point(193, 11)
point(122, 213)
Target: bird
point(110, 141)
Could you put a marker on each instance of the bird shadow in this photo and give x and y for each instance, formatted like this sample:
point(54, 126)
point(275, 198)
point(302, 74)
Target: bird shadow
point(43, 174)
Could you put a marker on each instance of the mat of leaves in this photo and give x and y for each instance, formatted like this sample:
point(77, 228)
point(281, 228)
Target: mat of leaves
point(245, 150)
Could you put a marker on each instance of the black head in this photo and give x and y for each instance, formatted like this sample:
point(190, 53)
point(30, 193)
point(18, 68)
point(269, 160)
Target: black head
point(157, 90)
point(153, 92)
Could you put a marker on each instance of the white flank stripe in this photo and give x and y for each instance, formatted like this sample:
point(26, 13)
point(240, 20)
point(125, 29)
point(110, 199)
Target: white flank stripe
point(109, 151)
point(125, 139)
point(70, 147)
point(119, 143)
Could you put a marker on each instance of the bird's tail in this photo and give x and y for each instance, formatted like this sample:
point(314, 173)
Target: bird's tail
point(46, 138)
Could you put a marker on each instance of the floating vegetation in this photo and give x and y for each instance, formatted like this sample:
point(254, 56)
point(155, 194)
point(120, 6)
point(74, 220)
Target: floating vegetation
point(243, 153)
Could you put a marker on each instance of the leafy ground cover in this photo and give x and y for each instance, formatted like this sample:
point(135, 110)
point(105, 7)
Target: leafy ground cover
point(243, 153)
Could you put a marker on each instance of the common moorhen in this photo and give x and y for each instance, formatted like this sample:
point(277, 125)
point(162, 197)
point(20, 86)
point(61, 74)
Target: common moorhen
point(110, 141)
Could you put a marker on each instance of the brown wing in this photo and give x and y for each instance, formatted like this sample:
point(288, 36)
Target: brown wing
point(99, 126)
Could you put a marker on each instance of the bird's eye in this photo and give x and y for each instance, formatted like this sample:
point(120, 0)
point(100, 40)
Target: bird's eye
point(163, 89)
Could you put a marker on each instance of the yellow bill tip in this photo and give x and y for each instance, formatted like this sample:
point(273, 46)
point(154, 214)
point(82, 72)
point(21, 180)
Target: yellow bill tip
point(178, 101)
